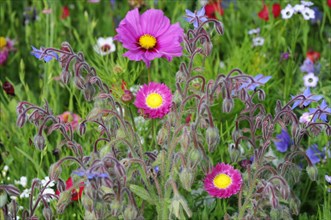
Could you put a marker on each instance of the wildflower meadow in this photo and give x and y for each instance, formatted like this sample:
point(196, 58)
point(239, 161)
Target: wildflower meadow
point(165, 109)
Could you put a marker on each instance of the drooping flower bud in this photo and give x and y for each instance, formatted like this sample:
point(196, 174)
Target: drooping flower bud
point(186, 177)
point(39, 142)
point(127, 97)
point(162, 136)
point(89, 92)
point(47, 213)
point(227, 105)
point(65, 76)
point(312, 172)
point(185, 139)
point(64, 201)
point(130, 212)
point(82, 128)
point(79, 82)
point(212, 137)
point(234, 153)
point(3, 198)
point(55, 171)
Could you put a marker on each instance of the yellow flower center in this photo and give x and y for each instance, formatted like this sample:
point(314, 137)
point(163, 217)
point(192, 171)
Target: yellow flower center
point(154, 100)
point(67, 118)
point(147, 41)
point(222, 181)
point(3, 42)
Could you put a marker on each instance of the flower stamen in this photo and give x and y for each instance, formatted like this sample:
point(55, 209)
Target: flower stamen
point(154, 100)
point(222, 181)
point(147, 41)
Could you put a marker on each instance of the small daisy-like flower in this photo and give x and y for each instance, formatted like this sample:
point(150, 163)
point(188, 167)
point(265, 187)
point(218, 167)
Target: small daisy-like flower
point(105, 46)
point(71, 118)
point(154, 100)
point(258, 41)
point(298, 8)
point(196, 17)
point(287, 12)
point(308, 13)
point(223, 181)
point(149, 36)
point(310, 80)
point(254, 31)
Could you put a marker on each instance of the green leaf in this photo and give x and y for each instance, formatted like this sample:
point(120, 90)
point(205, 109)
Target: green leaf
point(142, 193)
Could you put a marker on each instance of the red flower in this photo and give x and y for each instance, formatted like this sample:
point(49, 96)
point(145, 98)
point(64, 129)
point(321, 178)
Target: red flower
point(65, 12)
point(213, 8)
point(264, 13)
point(329, 3)
point(74, 194)
point(313, 55)
point(8, 88)
point(276, 9)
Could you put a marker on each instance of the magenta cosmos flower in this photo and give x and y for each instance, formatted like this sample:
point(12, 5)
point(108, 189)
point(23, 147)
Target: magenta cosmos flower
point(70, 118)
point(223, 181)
point(149, 36)
point(154, 100)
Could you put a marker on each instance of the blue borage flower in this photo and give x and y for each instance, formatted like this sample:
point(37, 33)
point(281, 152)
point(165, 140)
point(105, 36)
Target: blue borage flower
point(283, 141)
point(196, 17)
point(314, 154)
point(90, 174)
point(47, 57)
point(259, 80)
point(309, 98)
point(309, 67)
point(321, 115)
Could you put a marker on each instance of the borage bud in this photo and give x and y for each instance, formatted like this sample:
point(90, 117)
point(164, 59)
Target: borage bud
point(79, 82)
point(227, 105)
point(261, 95)
point(180, 77)
point(119, 170)
point(130, 212)
point(177, 205)
point(82, 128)
point(64, 201)
point(162, 136)
point(21, 120)
point(219, 27)
point(186, 178)
point(60, 185)
point(55, 171)
point(3, 198)
point(274, 201)
point(312, 172)
point(39, 142)
point(87, 203)
point(65, 76)
point(185, 139)
point(207, 47)
point(194, 156)
point(234, 152)
point(295, 205)
point(127, 97)
point(212, 138)
point(89, 92)
point(115, 207)
point(47, 213)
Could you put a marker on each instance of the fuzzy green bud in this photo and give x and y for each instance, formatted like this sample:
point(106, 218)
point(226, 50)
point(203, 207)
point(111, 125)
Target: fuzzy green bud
point(213, 138)
point(39, 142)
point(130, 212)
point(312, 172)
point(64, 201)
point(47, 213)
point(178, 205)
point(55, 171)
point(186, 178)
point(3, 198)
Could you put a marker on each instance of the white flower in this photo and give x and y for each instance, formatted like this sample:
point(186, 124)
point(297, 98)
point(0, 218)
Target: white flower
point(308, 4)
point(222, 65)
point(203, 2)
point(287, 12)
point(258, 41)
point(134, 89)
point(6, 168)
point(105, 46)
point(25, 193)
point(310, 80)
point(23, 181)
point(308, 13)
point(49, 191)
point(45, 181)
point(305, 117)
point(254, 31)
point(298, 8)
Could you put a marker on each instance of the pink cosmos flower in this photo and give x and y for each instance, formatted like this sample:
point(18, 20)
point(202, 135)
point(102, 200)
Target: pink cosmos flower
point(149, 36)
point(154, 100)
point(70, 118)
point(223, 181)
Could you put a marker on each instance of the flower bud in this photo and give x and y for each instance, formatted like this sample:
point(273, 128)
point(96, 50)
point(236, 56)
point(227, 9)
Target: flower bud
point(8, 88)
point(295, 205)
point(227, 105)
point(120, 134)
point(186, 177)
point(39, 142)
point(130, 212)
point(82, 128)
point(261, 95)
point(127, 97)
point(119, 170)
point(162, 136)
point(274, 201)
point(180, 77)
point(178, 203)
point(3, 198)
point(185, 139)
point(47, 213)
point(212, 137)
point(207, 48)
point(60, 185)
point(79, 82)
point(115, 207)
point(87, 203)
point(65, 76)
point(275, 214)
point(55, 171)
point(89, 92)
point(219, 27)
point(234, 153)
point(177, 98)
point(312, 172)
point(64, 200)
point(194, 156)
point(21, 120)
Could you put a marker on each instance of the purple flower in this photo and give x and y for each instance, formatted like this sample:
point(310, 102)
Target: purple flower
point(3, 56)
point(307, 66)
point(308, 98)
point(285, 56)
point(314, 154)
point(90, 174)
point(149, 36)
point(318, 16)
point(47, 57)
point(258, 81)
point(283, 141)
point(320, 115)
point(197, 17)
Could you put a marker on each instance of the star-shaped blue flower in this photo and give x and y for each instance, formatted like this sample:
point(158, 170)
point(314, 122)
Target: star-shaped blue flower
point(283, 141)
point(196, 17)
point(258, 81)
point(308, 98)
point(314, 154)
point(322, 107)
point(48, 57)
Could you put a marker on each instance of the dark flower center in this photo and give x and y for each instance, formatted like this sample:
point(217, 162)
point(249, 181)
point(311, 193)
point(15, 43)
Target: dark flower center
point(105, 48)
